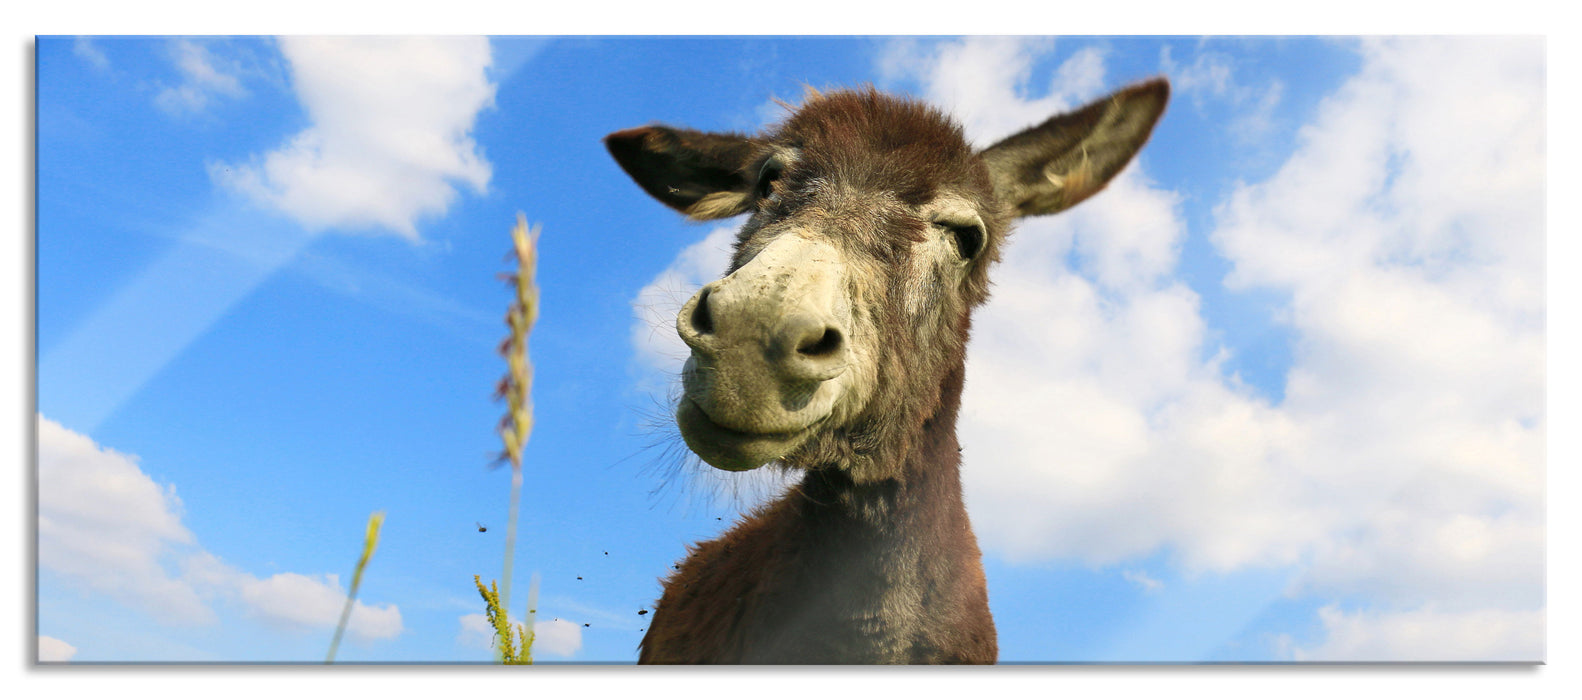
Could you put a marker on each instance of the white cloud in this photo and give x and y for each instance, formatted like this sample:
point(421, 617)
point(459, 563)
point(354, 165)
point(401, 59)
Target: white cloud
point(1404, 464)
point(985, 81)
point(659, 349)
point(106, 525)
point(1258, 120)
point(309, 602)
point(475, 631)
point(390, 137)
point(1408, 232)
point(203, 77)
point(1429, 635)
point(87, 50)
point(1209, 72)
point(556, 637)
point(52, 650)
point(1143, 580)
point(1213, 75)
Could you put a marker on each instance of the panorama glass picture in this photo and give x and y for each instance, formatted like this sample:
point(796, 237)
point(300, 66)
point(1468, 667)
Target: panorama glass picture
point(795, 350)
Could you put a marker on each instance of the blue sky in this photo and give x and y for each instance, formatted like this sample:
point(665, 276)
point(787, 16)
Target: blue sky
point(1277, 394)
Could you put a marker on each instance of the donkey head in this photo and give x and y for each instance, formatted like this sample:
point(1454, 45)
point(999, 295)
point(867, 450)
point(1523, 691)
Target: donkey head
point(843, 318)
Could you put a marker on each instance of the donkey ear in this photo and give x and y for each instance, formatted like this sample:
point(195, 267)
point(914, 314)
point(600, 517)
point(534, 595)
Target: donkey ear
point(699, 174)
point(1072, 156)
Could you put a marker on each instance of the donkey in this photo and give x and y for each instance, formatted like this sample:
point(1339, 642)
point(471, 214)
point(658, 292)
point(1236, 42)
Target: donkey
point(836, 344)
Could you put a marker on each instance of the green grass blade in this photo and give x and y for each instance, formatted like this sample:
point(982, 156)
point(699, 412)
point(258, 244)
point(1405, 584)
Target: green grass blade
point(370, 542)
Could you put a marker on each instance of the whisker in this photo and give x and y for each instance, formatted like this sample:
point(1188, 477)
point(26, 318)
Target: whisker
point(681, 477)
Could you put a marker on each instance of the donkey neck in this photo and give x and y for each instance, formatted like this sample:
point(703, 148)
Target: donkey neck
point(877, 572)
point(926, 491)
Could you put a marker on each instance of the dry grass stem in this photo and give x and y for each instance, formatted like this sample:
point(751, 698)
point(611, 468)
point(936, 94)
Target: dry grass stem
point(516, 389)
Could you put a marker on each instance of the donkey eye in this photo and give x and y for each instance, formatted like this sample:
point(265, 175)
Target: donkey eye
point(967, 237)
point(766, 179)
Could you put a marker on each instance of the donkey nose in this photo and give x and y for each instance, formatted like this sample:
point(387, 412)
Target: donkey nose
point(801, 346)
point(695, 322)
point(807, 347)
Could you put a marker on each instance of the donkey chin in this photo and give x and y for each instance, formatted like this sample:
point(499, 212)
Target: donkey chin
point(737, 413)
point(731, 449)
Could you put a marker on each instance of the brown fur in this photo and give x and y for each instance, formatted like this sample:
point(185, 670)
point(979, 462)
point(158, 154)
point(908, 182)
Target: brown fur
point(871, 558)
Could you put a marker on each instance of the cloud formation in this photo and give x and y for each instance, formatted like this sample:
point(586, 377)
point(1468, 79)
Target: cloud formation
point(103, 523)
point(556, 637)
point(659, 349)
point(52, 650)
point(986, 82)
point(203, 77)
point(1211, 76)
point(1143, 581)
point(288, 601)
point(106, 525)
point(1404, 465)
point(85, 48)
point(1429, 635)
point(390, 135)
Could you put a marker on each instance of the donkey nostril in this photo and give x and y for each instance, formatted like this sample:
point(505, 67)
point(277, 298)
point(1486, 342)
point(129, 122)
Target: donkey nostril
point(702, 320)
point(806, 347)
point(821, 346)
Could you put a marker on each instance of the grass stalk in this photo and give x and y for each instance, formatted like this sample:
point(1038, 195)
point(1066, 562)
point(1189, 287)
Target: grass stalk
point(370, 541)
point(516, 388)
point(513, 642)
